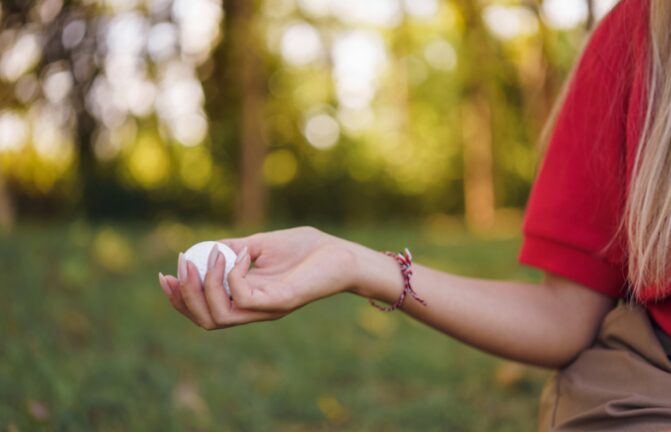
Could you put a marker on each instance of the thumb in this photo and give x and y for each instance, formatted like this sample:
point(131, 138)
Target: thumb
point(243, 262)
point(252, 244)
point(244, 296)
point(236, 277)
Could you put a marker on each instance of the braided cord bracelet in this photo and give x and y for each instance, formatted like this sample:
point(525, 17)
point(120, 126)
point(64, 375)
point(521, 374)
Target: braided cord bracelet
point(404, 260)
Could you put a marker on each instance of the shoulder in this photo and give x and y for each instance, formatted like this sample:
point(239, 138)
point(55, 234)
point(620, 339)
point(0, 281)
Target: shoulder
point(626, 16)
point(621, 37)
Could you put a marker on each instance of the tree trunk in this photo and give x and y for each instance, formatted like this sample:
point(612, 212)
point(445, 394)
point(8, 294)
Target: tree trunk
point(478, 164)
point(479, 197)
point(89, 179)
point(11, 10)
point(538, 78)
point(245, 58)
point(590, 15)
point(6, 207)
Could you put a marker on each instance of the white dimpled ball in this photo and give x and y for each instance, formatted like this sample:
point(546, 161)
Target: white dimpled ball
point(199, 253)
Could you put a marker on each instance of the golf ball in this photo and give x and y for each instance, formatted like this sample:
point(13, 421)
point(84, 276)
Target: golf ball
point(199, 253)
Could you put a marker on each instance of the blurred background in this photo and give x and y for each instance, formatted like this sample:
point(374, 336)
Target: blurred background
point(130, 129)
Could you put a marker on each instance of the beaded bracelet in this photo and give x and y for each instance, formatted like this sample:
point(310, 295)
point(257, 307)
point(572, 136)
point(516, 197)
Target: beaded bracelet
point(404, 259)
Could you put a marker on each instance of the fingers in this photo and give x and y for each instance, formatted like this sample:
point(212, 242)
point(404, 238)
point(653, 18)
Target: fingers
point(243, 262)
point(192, 293)
point(224, 311)
point(164, 285)
point(256, 298)
point(240, 289)
point(233, 315)
point(236, 282)
point(252, 242)
point(209, 306)
point(215, 294)
point(170, 286)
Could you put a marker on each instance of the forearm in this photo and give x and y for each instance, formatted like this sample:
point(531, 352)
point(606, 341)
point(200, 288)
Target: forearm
point(539, 324)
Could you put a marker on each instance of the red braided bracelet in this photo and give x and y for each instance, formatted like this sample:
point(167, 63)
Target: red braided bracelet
point(404, 259)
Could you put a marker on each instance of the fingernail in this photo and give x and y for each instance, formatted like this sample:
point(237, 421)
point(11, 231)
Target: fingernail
point(212, 259)
point(220, 258)
point(164, 284)
point(183, 271)
point(242, 255)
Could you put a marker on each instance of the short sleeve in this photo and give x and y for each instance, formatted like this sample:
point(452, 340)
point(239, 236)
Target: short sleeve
point(576, 203)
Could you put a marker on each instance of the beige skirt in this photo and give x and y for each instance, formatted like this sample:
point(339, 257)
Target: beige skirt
point(621, 383)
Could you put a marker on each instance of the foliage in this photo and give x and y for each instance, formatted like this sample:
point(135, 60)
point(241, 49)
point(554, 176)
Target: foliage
point(352, 110)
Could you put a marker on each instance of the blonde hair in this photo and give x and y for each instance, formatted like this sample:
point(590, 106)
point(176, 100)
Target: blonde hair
point(647, 216)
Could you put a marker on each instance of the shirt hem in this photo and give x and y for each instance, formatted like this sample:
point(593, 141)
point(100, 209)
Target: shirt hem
point(573, 263)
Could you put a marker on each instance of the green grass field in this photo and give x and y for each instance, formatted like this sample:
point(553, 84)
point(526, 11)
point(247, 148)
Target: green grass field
point(88, 342)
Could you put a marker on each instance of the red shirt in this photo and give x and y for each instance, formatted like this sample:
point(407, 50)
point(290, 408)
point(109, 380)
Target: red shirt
point(578, 199)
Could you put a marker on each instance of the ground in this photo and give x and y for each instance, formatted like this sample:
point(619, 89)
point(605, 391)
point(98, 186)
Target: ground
point(88, 342)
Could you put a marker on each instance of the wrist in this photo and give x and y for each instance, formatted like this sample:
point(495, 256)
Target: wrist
point(374, 274)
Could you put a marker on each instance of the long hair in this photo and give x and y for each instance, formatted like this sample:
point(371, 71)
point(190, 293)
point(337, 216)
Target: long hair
point(647, 216)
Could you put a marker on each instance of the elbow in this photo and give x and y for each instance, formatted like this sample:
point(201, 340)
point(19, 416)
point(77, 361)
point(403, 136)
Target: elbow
point(562, 359)
point(577, 313)
point(566, 348)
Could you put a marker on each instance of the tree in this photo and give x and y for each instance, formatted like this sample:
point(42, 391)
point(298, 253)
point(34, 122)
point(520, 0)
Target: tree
point(244, 67)
point(476, 120)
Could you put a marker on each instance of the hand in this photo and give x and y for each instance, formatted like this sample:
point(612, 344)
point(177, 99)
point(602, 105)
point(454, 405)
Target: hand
point(292, 267)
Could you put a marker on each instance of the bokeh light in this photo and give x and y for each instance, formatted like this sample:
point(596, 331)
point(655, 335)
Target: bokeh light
point(368, 92)
point(564, 14)
point(321, 130)
point(280, 167)
point(509, 22)
point(22, 55)
point(301, 44)
point(148, 162)
point(14, 131)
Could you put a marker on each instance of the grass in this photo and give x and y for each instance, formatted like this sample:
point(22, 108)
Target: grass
point(88, 342)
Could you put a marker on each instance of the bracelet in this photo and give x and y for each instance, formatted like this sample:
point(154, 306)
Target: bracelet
point(404, 259)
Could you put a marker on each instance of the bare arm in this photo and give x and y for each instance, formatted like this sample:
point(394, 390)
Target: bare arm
point(544, 324)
